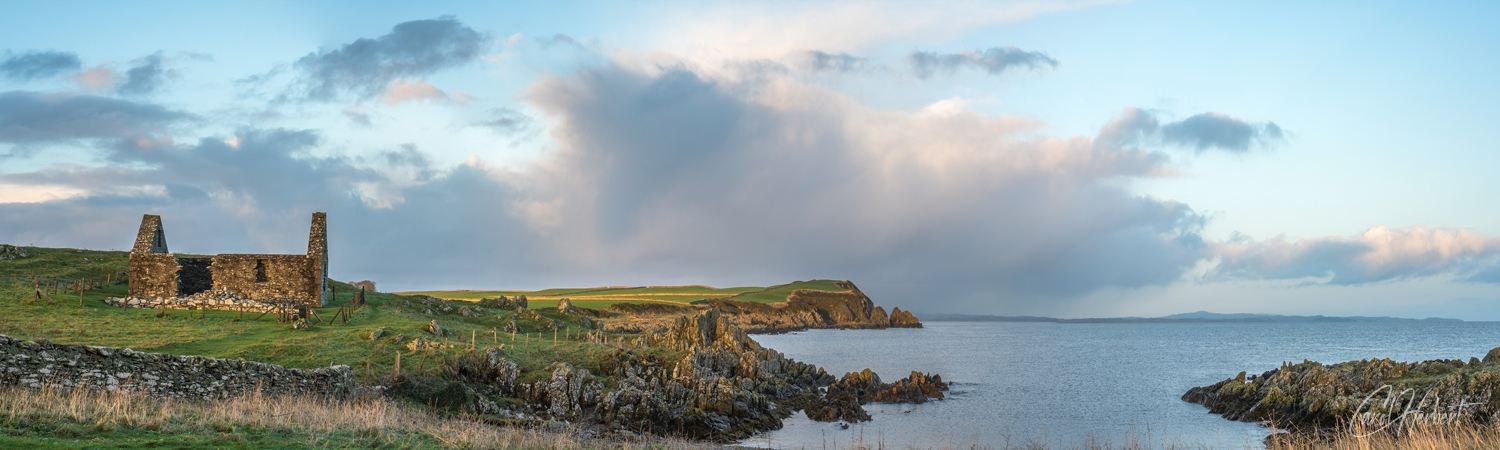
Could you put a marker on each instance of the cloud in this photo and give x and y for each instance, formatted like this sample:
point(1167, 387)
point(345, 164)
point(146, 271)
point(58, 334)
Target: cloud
point(145, 76)
point(816, 61)
point(34, 118)
point(35, 65)
point(365, 67)
point(98, 79)
point(993, 61)
point(504, 121)
point(674, 176)
point(1377, 254)
point(659, 173)
point(562, 40)
point(1214, 130)
point(1201, 132)
point(357, 117)
point(402, 91)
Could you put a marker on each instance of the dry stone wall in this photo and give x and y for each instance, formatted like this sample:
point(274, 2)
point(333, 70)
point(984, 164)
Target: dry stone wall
point(41, 363)
point(218, 300)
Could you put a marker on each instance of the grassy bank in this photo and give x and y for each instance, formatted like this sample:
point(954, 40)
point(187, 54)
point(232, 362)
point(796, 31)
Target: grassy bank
point(49, 418)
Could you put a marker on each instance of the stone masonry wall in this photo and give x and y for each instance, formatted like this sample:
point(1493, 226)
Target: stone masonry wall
point(287, 277)
point(41, 363)
point(153, 275)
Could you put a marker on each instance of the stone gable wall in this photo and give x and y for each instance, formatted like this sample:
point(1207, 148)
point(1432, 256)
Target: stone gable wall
point(41, 363)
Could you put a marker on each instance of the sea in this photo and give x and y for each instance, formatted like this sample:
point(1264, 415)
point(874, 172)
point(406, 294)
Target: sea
point(1052, 385)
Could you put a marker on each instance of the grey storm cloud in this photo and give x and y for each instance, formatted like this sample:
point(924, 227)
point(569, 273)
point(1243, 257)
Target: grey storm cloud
point(364, 67)
point(32, 118)
point(673, 169)
point(993, 61)
point(1377, 254)
point(1213, 130)
point(35, 65)
point(145, 76)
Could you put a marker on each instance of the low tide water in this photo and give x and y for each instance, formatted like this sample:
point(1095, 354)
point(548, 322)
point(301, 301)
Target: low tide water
point(1061, 385)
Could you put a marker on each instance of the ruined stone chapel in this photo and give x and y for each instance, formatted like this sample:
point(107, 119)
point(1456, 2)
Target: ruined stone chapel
point(156, 273)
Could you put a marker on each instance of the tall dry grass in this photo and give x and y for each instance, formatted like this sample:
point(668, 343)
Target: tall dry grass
point(1452, 437)
point(378, 420)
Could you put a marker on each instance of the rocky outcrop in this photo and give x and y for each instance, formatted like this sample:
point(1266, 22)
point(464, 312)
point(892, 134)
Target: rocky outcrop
point(518, 302)
point(42, 363)
point(12, 252)
point(806, 309)
point(866, 386)
point(725, 386)
point(916, 388)
point(1310, 396)
point(904, 319)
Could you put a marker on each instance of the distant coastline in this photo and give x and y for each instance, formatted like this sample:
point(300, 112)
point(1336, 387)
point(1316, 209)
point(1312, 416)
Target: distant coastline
point(1193, 317)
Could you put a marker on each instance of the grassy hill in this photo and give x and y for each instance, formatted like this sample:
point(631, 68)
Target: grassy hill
point(228, 334)
point(602, 297)
point(74, 312)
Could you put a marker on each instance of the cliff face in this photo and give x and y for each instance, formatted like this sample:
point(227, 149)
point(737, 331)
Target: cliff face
point(806, 309)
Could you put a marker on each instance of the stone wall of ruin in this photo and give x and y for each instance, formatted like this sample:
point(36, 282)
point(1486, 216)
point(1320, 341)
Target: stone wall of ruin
point(41, 363)
point(287, 277)
point(153, 275)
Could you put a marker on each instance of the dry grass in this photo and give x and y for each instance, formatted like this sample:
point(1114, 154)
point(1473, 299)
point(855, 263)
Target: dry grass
point(1460, 437)
point(379, 421)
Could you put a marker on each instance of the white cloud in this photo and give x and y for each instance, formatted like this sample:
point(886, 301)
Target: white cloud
point(402, 91)
point(1376, 254)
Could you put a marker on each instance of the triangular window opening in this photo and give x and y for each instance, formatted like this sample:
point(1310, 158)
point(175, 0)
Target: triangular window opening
point(260, 271)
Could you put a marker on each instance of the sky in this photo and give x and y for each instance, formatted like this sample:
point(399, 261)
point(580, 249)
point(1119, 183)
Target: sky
point(1067, 159)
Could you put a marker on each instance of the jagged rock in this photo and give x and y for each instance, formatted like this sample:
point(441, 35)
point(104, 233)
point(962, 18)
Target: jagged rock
point(837, 407)
point(916, 388)
point(375, 335)
point(435, 329)
point(510, 327)
point(565, 306)
point(1310, 396)
point(863, 385)
point(904, 319)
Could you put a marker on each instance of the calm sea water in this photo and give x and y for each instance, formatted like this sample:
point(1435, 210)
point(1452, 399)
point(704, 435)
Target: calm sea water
point(1016, 384)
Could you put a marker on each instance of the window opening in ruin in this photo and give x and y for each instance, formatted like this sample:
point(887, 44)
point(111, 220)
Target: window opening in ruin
point(260, 271)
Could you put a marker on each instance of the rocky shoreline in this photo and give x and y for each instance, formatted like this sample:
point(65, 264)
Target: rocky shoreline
point(1378, 394)
point(726, 387)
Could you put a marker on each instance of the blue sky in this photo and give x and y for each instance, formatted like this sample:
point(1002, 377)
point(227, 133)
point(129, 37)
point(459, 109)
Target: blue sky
point(1071, 159)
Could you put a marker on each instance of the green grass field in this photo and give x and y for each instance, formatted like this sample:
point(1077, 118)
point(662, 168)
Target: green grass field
point(601, 297)
point(544, 337)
